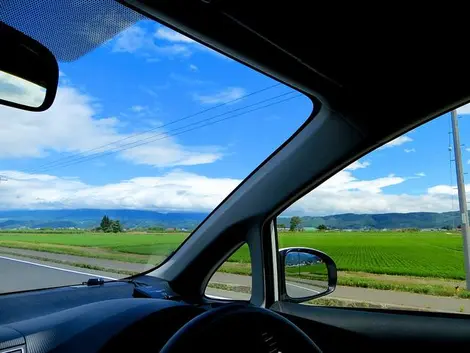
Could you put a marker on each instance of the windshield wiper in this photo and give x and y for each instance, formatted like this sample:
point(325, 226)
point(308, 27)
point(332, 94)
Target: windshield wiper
point(141, 290)
point(97, 281)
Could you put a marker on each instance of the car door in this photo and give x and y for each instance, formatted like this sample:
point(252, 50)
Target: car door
point(398, 276)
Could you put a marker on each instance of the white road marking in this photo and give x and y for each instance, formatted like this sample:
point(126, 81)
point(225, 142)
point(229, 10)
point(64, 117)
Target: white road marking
point(57, 268)
point(295, 285)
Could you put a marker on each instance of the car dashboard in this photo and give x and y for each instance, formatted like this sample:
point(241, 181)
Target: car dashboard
point(89, 319)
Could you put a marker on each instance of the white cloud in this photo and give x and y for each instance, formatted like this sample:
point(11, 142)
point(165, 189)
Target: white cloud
point(169, 154)
point(146, 41)
point(345, 181)
point(193, 68)
point(179, 190)
point(171, 36)
point(397, 142)
point(70, 125)
point(464, 109)
point(444, 190)
point(357, 165)
point(225, 96)
point(421, 174)
point(130, 40)
point(409, 150)
point(176, 190)
point(137, 40)
point(138, 108)
point(344, 193)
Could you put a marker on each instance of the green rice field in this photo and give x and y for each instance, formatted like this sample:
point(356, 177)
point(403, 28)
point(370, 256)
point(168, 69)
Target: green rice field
point(426, 254)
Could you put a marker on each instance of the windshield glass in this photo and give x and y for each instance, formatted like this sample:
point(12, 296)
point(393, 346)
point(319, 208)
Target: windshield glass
point(149, 132)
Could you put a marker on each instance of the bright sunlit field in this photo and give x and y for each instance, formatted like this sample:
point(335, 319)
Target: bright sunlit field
point(427, 254)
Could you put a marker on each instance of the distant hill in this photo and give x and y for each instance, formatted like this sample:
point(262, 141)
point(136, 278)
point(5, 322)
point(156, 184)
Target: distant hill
point(381, 221)
point(89, 218)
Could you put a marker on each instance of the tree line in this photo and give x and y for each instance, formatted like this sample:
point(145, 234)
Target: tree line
point(109, 225)
point(296, 225)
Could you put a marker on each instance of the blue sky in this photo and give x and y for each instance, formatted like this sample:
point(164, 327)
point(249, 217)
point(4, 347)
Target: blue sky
point(155, 86)
point(149, 76)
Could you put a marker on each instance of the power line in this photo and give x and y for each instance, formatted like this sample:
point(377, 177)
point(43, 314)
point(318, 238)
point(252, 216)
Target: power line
point(153, 139)
point(159, 127)
point(85, 157)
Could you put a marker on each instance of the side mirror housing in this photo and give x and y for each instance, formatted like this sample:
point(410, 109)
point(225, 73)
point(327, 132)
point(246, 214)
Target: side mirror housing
point(29, 73)
point(306, 274)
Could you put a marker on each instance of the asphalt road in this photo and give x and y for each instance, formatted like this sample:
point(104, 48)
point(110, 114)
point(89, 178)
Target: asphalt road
point(19, 275)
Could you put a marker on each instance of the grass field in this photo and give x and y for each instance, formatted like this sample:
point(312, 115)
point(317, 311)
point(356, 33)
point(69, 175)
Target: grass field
point(133, 247)
point(426, 254)
point(430, 254)
point(433, 254)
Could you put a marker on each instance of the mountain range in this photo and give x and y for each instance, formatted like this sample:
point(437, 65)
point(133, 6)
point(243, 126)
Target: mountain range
point(89, 218)
point(381, 221)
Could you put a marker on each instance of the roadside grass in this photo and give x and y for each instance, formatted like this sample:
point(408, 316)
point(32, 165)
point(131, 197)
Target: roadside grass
point(230, 287)
point(237, 268)
point(429, 289)
point(344, 303)
point(418, 288)
point(76, 264)
point(74, 250)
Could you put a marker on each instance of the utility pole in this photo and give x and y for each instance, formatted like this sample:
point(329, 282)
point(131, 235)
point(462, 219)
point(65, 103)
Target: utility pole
point(462, 196)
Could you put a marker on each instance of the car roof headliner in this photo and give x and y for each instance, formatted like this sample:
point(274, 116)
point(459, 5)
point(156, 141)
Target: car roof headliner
point(386, 73)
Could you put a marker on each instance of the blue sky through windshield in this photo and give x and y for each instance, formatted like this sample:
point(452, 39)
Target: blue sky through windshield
point(153, 120)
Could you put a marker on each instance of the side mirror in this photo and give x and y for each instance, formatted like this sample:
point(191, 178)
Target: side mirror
point(29, 73)
point(306, 274)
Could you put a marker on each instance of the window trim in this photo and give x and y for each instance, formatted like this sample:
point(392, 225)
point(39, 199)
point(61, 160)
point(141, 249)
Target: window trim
point(205, 284)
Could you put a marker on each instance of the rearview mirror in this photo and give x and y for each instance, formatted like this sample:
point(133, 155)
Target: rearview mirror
point(29, 72)
point(306, 274)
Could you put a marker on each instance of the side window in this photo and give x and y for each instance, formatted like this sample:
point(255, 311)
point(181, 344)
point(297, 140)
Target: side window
point(391, 223)
point(232, 280)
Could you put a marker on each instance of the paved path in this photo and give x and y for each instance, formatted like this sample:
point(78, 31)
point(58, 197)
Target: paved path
point(17, 275)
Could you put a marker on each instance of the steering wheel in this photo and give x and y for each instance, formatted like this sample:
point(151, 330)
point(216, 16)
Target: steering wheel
point(239, 328)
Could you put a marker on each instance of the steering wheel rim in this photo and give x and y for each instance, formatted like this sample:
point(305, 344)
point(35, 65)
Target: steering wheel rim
point(208, 331)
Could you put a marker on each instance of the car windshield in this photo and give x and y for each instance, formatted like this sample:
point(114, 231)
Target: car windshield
point(149, 132)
